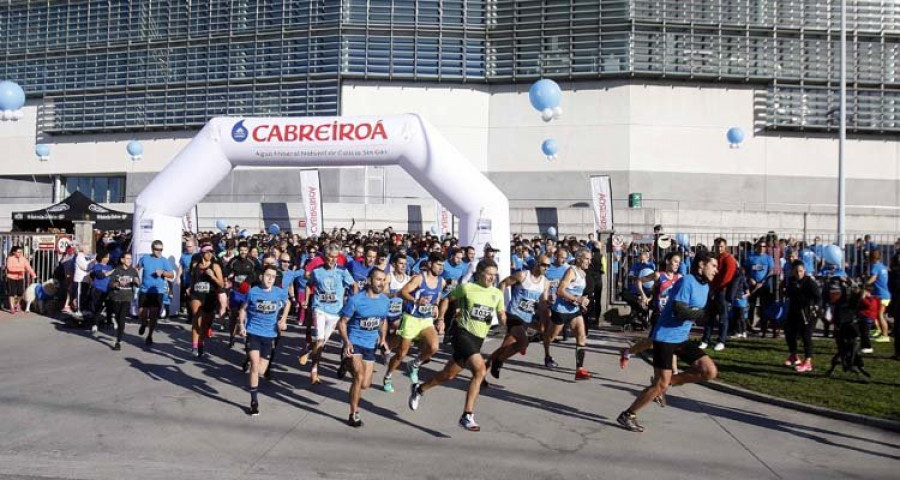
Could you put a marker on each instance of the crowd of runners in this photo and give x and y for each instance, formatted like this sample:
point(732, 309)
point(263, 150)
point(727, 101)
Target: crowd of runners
point(394, 297)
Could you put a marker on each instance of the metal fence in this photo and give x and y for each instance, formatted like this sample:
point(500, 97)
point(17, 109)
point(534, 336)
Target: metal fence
point(624, 251)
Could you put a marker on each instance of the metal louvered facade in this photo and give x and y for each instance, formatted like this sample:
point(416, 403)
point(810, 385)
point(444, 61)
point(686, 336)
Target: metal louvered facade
point(103, 66)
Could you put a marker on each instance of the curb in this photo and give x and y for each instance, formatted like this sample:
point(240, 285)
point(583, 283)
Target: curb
point(883, 423)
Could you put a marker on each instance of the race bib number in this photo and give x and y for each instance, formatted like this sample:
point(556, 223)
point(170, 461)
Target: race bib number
point(426, 310)
point(758, 268)
point(481, 313)
point(526, 305)
point(266, 306)
point(201, 287)
point(361, 284)
point(327, 298)
point(371, 323)
point(554, 284)
point(396, 308)
point(125, 281)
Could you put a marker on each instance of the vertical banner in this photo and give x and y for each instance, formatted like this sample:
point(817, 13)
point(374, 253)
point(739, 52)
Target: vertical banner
point(601, 198)
point(312, 201)
point(189, 221)
point(443, 219)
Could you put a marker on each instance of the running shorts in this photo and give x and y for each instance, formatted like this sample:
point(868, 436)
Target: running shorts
point(150, 300)
point(464, 346)
point(325, 324)
point(559, 318)
point(687, 351)
point(263, 345)
point(368, 354)
point(411, 327)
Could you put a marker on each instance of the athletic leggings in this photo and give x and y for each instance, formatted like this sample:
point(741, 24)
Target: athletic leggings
point(120, 311)
point(794, 326)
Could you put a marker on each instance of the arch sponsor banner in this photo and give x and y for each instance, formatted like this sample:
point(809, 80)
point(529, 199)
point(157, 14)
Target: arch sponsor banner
point(443, 219)
point(189, 221)
point(601, 199)
point(312, 201)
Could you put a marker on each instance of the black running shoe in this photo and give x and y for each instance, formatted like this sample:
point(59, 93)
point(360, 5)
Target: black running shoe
point(254, 409)
point(245, 367)
point(200, 351)
point(149, 341)
point(117, 347)
point(354, 420)
point(496, 365)
point(628, 421)
point(142, 330)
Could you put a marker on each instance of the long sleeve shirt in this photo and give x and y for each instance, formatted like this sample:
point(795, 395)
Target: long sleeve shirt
point(727, 269)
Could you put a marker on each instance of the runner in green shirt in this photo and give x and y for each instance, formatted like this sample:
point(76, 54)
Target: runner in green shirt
point(478, 302)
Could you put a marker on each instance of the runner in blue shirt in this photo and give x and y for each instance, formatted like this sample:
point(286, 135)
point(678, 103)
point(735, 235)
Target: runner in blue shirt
point(555, 273)
point(260, 324)
point(363, 326)
point(670, 335)
point(155, 271)
point(878, 278)
point(360, 270)
point(184, 267)
point(331, 285)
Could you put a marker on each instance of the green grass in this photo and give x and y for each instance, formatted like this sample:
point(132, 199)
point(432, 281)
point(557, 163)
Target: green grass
point(756, 364)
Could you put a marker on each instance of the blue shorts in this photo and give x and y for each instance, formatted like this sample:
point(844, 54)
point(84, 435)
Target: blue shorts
point(368, 354)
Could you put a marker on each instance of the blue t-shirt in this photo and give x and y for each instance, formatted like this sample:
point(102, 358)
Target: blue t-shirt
point(554, 276)
point(287, 279)
point(101, 281)
point(150, 283)
point(880, 287)
point(669, 328)
point(262, 311)
point(517, 263)
point(365, 314)
point(759, 266)
point(185, 262)
point(331, 286)
point(452, 275)
point(360, 273)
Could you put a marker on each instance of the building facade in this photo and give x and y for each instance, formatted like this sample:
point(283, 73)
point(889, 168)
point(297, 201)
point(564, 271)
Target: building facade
point(650, 88)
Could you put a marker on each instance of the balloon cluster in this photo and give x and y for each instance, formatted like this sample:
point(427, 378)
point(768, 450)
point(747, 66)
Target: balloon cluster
point(12, 99)
point(221, 225)
point(274, 229)
point(833, 255)
point(135, 150)
point(735, 137)
point(545, 96)
point(42, 151)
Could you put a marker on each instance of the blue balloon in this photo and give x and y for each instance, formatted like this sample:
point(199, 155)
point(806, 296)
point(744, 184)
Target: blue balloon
point(549, 147)
point(135, 148)
point(434, 230)
point(544, 93)
point(644, 273)
point(12, 97)
point(245, 233)
point(735, 135)
point(833, 255)
point(683, 239)
point(42, 150)
point(551, 231)
point(221, 225)
point(274, 229)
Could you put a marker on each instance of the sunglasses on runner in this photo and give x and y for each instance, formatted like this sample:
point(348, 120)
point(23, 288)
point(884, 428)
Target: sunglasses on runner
point(545, 265)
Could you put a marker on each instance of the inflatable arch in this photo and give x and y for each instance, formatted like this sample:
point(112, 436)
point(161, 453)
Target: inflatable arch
point(405, 140)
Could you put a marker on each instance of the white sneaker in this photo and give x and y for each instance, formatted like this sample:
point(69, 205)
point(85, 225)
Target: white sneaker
point(115, 325)
point(719, 347)
point(467, 421)
point(867, 350)
point(94, 329)
point(414, 397)
point(703, 345)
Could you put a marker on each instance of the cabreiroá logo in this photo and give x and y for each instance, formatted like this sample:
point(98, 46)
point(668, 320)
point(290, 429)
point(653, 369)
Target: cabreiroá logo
point(239, 133)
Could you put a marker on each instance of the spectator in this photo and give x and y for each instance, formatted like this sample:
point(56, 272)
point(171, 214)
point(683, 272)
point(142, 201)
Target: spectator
point(18, 274)
point(718, 303)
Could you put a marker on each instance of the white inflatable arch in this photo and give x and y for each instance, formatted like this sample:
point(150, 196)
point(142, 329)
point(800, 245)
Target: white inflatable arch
point(405, 140)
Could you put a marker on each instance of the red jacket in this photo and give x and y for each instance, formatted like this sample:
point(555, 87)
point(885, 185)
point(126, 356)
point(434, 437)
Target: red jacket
point(727, 269)
point(868, 307)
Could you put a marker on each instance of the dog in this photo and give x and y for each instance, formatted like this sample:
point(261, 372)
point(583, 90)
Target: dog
point(848, 356)
point(43, 295)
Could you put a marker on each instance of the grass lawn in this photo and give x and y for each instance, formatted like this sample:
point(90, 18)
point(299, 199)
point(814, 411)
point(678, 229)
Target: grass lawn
point(755, 364)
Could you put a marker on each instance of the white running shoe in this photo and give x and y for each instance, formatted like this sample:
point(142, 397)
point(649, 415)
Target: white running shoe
point(414, 397)
point(703, 345)
point(719, 347)
point(867, 350)
point(467, 421)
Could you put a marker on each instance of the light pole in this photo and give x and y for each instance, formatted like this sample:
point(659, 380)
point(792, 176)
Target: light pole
point(842, 130)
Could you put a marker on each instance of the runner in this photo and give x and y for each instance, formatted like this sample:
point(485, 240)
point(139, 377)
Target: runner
point(155, 271)
point(479, 303)
point(527, 303)
point(418, 324)
point(397, 279)
point(123, 281)
point(331, 284)
point(671, 337)
point(661, 289)
point(206, 279)
point(363, 324)
point(259, 323)
point(239, 269)
point(360, 270)
point(569, 308)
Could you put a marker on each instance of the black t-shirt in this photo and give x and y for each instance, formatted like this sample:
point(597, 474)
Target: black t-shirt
point(122, 282)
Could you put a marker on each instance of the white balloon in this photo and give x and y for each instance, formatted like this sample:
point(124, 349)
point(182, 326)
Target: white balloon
point(557, 112)
point(547, 114)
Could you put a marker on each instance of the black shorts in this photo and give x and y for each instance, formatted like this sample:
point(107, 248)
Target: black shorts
point(464, 346)
point(15, 288)
point(513, 321)
point(559, 318)
point(263, 345)
point(686, 351)
point(150, 300)
point(208, 301)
